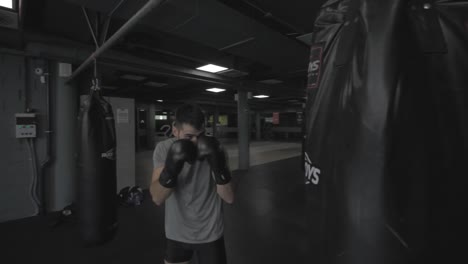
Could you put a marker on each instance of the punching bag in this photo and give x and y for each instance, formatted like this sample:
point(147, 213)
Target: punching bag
point(97, 183)
point(387, 131)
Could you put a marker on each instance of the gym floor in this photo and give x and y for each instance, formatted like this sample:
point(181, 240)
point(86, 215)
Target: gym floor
point(266, 224)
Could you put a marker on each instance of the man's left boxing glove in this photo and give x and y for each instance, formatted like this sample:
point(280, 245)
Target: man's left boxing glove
point(209, 148)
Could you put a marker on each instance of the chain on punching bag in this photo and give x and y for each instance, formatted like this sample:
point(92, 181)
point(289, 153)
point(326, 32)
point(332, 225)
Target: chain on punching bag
point(97, 208)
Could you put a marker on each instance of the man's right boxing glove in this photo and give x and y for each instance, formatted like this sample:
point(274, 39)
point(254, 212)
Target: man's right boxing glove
point(181, 151)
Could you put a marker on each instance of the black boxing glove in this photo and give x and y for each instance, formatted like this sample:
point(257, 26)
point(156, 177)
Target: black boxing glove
point(181, 151)
point(209, 148)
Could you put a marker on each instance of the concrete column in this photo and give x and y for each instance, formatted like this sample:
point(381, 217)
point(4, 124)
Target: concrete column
point(124, 116)
point(257, 126)
point(151, 126)
point(215, 122)
point(243, 130)
point(65, 127)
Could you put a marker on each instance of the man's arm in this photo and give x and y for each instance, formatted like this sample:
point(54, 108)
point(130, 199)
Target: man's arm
point(209, 148)
point(226, 192)
point(165, 176)
point(158, 192)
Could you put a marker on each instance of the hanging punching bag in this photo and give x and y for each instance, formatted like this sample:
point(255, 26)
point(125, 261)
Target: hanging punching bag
point(97, 183)
point(436, 73)
point(386, 132)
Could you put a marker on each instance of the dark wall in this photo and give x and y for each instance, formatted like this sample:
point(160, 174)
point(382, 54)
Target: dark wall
point(19, 89)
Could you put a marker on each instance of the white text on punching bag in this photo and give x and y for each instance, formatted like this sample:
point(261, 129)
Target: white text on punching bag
point(312, 173)
point(314, 66)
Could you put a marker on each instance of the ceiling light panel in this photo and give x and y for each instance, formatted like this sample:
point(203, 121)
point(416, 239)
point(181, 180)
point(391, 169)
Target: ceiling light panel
point(6, 3)
point(212, 68)
point(216, 90)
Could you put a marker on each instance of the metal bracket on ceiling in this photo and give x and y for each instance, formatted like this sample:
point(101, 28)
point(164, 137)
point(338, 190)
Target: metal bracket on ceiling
point(90, 27)
point(127, 27)
point(106, 24)
point(95, 32)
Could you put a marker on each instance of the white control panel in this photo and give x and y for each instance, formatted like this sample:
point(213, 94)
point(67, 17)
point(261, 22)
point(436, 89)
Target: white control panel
point(25, 125)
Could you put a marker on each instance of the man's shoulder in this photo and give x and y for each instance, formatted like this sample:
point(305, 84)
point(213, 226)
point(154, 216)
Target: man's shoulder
point(165, 144)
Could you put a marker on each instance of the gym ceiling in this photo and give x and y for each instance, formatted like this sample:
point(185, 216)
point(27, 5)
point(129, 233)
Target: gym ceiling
point(263, 43)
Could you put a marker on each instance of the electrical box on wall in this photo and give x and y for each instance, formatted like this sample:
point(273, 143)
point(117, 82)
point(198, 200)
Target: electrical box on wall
point(25, 125)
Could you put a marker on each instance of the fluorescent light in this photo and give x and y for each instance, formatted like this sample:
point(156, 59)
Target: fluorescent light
point(261, 96)
point(6, 3)
point(133, 77)
point(160, 101)
point(212, 68)
point(160, 117)
point(155, 84)
point(215, 90)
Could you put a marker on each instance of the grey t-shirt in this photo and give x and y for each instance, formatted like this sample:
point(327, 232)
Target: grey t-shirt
point(194, 209)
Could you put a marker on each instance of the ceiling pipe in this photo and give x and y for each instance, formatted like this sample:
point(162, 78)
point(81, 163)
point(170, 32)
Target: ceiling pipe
point(127, 27)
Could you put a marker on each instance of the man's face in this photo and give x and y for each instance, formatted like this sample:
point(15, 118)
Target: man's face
point(186, 131)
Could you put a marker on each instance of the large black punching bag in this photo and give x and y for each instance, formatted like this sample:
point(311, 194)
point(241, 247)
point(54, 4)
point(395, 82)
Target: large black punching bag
point(387, 131)
point(97, 207)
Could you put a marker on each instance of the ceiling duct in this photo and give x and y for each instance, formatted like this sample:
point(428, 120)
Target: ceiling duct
point(168, 17)
point(233, 73)
point(215, 25)
point(271, 81)
point(256, 12)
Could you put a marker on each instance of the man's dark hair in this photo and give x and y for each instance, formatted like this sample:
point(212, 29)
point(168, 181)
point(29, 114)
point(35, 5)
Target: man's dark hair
point(190, 114)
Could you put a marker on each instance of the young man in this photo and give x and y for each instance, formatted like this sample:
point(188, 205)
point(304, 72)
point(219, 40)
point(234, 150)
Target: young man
point(191, 177)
